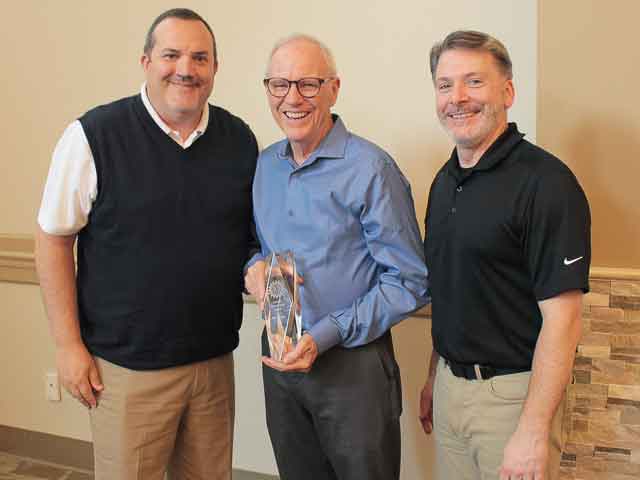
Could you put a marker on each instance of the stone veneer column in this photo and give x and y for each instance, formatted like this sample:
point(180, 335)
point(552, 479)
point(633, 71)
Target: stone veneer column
point(602, 421)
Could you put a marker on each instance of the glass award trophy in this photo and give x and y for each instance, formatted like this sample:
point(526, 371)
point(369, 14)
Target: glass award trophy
point(281, 311)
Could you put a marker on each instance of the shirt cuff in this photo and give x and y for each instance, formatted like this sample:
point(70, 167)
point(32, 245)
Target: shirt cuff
point(254, 258)
point(326, 334)
point(51, 229)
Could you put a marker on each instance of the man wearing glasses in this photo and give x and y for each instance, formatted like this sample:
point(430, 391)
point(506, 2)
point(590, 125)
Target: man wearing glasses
point(345, 210)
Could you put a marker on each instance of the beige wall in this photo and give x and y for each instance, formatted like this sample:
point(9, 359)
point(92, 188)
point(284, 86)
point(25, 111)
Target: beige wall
point(26, 353)
point(588, 113)
point(62, 58)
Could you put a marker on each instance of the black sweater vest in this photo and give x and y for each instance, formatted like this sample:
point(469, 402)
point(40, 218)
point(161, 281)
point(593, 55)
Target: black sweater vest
point(160, 260)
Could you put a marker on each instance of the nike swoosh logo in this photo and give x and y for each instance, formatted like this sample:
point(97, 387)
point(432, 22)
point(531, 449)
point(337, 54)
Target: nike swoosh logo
point(573, 260)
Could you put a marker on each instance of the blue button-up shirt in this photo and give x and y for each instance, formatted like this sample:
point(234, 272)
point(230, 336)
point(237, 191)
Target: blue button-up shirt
point(348, 217)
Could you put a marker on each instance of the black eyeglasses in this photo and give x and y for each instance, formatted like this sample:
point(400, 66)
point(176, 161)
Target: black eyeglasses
point(307, 87)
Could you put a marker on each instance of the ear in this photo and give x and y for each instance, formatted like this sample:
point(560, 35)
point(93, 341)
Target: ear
point(509, 94)
point(335, 88)
point(144, 61)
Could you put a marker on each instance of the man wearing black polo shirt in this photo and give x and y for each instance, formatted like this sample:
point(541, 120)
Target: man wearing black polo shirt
point(508, 246)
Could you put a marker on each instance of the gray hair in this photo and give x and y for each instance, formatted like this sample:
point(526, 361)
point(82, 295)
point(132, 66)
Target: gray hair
point(328, 56)
point(472, 40)
point(182, 14)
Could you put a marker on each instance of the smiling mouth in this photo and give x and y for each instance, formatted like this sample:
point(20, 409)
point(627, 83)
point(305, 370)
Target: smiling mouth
point(182, 85)
point(461, 115)
point(296, 115)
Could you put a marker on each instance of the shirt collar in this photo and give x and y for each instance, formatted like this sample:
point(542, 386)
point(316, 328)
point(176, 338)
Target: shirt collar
point(331, 146)
point(495, 154)
point(200, 129)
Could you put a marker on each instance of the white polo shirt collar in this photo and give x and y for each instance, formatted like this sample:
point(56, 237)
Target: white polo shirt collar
point(197, 133)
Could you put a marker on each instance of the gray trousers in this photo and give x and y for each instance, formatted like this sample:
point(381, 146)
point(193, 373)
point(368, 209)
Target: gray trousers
point(340, 421)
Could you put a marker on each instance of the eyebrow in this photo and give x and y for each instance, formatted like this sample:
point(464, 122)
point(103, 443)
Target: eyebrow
point(466, 75)
point(175, 50)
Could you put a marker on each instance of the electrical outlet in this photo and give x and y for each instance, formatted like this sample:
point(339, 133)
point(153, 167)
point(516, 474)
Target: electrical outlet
point(52, 386)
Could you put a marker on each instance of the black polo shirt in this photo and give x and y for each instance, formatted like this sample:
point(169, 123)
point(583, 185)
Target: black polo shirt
point(500, 237)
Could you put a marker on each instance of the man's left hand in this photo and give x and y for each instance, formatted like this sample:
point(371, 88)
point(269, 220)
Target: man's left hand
point(525, 456)
point(300, 359)
point(426, 405)
point(254, 281)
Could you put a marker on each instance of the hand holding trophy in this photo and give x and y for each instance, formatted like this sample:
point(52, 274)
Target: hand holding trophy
point(281, 310)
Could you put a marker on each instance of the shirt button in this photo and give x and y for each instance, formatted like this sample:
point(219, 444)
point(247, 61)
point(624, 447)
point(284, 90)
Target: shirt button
point(459, 189)
point(291, 213)
point(453, 209)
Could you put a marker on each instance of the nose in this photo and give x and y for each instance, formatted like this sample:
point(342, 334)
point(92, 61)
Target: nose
point(293, 95)
point(185, 66)
point(459, 93)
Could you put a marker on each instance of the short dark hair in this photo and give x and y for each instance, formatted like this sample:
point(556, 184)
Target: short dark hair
point(472, 40)
point(182, 14)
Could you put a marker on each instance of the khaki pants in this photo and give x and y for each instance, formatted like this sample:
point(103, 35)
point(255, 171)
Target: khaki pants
point(474, 419)
point(175, 420)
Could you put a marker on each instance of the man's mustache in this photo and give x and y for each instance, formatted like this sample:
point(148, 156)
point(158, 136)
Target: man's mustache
point(186, 80)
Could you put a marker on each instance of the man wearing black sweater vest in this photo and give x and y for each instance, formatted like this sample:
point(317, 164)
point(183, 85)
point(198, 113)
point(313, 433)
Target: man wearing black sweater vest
point(156, 189)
